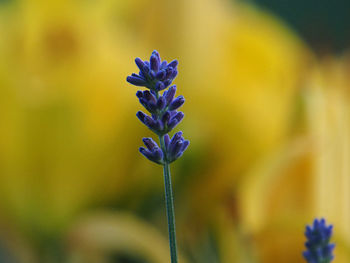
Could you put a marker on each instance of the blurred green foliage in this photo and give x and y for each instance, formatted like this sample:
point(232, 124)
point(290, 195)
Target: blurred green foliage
point(323, 24)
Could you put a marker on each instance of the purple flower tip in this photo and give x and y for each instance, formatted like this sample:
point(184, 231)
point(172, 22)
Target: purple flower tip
point(154, 74)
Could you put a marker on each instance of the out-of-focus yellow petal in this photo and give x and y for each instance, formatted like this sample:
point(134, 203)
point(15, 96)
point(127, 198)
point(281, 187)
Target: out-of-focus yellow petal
point(329, 127)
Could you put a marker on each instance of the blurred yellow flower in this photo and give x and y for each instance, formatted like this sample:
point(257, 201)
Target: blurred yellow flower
point(268, 125)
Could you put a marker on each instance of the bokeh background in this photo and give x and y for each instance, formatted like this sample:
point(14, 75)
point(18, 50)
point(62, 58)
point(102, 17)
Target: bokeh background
point(267, 111)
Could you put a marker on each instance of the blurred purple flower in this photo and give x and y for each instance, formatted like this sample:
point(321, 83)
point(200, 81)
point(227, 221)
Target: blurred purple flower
point(319, 249)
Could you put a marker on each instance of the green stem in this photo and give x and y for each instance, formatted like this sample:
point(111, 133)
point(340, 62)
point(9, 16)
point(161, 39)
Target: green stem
point(169, 201)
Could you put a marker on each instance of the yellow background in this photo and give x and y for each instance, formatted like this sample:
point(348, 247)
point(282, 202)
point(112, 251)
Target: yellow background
point(268, 122)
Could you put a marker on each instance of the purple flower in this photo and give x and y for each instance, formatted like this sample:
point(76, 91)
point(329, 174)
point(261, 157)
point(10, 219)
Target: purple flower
point(319, 248)
point(163, 108)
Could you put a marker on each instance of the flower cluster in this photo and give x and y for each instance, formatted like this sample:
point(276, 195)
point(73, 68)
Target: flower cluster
point(156, 76)
point(164, 116)
point(174, 148)
point(319, 250)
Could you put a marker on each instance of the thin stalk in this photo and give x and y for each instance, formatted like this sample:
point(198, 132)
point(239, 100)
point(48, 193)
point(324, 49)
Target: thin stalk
point(169, 201)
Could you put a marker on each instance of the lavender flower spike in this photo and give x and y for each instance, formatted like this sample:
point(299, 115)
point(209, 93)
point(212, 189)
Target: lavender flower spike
point(319, 250)
point(157, 75)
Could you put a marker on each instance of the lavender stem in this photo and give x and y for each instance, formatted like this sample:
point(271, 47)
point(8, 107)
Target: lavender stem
point(169, 202)
point(156, 76)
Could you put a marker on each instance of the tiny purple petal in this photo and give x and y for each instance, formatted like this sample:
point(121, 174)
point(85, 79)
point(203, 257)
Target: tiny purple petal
point(169, 72)
point(173, 74)
point(169, 96)
point(137, 81)
point(164, 64)
point(161, 103)
point(156, 53)
point(150, 123)
point(177, 148)
point(166, 140)
point(150, 144)
point(179, 116)
point(140, 64)
point(173, 64)
point(141, 116)
point(154, 61)
point(185, 145)
point(144, 103)
point(177, 103)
